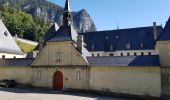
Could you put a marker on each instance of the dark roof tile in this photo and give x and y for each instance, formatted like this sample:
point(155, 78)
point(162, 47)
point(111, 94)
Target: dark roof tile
point(103, 40)
point(16, 62)
point(166, 32)
point(124, 61)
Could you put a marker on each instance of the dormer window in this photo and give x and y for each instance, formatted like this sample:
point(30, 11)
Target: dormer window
point(92, 47)
point(111, 47)
point(6, 33)
point(117, 36)
point(141, 45)
point(128, 46)
point(135, 34)
point(107, 37)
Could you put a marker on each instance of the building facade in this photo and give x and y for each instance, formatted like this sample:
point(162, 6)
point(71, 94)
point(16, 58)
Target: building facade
point(63, 63)
point(124, 42)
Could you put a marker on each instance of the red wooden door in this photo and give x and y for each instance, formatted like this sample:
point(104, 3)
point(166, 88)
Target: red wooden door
point(58, 80)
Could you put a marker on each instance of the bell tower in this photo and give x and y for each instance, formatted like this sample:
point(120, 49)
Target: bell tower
point(67, 14)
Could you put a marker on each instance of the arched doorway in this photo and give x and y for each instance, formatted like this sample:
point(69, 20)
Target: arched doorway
point(58, 80)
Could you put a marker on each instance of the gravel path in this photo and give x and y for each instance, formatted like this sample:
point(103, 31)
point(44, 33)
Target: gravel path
point(24, 94)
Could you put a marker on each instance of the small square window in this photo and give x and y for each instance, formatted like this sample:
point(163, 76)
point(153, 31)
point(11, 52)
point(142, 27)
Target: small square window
point(3, 56)
point(6, 33)
point(149, 53)
point(121, 54)
point(135, 54)
point(92, 55)
point(128, 46)
point(111, 54)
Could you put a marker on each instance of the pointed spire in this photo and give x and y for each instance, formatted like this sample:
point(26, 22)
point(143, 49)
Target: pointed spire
point(67, 6)
point(67, 14)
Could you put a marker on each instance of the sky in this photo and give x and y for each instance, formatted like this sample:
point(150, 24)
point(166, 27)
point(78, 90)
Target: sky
point(108, 14)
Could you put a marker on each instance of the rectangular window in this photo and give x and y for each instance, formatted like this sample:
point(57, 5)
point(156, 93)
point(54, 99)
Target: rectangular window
point(128, 54)
point(121, 54)
point(78, 75)
point(149, 53)
point(39, 75)
point(92, 55)
point(135, 54)
point(3, 56)
point(142, 53)
point(111, 54)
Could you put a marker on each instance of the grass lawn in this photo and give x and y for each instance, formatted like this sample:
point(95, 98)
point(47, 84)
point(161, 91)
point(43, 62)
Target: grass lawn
point(25, 47)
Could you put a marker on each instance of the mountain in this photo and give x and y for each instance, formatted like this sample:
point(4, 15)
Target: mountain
point(52, 12)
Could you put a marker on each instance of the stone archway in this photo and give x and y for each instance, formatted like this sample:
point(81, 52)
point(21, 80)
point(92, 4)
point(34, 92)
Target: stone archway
point(58, 80)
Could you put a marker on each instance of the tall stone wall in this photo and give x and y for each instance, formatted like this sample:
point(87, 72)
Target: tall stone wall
point(22, 75)
point(164, 53)
point(127, 80)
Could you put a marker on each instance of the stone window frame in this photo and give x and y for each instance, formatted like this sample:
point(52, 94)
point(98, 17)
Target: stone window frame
point(78, 74)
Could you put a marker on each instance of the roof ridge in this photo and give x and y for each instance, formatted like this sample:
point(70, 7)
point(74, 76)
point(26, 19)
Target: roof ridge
point(123, 29)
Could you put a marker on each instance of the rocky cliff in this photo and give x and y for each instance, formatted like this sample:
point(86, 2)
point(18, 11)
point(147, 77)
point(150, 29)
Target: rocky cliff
point(52, 12)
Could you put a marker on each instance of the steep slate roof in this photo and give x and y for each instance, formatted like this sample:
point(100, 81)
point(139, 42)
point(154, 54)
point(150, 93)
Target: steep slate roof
point(124, 61)
point(64, 33)
point(102, 40)
point(7, 43)
point(16, 62)
point(166, 32)
point(51, 31)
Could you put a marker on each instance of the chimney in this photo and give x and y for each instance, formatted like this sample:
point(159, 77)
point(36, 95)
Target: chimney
point(155, 31)
point(41, 43)
point(80, 43)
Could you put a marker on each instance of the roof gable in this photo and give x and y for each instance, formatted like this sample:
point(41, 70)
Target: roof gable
point(166, 32)
point(7, 43)
point(54, 28)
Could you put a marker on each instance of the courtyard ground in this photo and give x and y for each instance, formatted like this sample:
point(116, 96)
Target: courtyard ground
point(28, 94)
